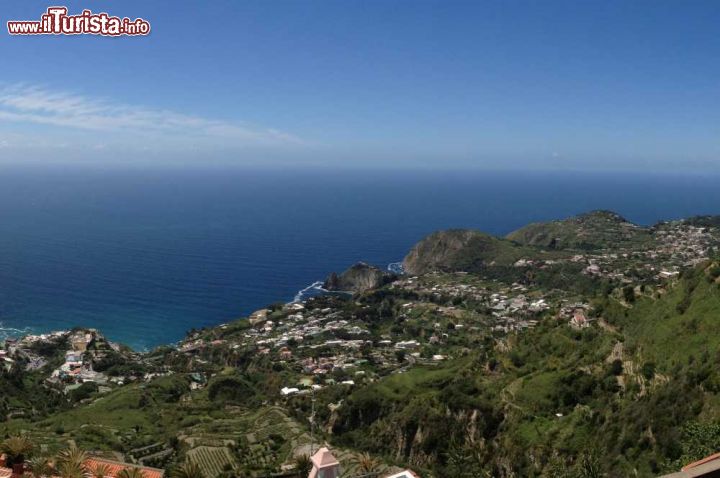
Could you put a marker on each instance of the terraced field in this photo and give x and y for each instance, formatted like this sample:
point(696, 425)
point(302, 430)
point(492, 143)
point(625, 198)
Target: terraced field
point(263, 440)
point(212, 460)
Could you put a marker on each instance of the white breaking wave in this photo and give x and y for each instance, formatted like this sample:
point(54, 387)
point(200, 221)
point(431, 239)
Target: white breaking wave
point(316, 286)
point(6, 332)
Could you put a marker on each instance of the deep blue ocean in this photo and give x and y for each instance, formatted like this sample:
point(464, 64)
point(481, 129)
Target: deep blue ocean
point(146, 255)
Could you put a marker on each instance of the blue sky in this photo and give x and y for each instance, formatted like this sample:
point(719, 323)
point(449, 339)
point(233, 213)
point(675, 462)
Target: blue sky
point(406, 84)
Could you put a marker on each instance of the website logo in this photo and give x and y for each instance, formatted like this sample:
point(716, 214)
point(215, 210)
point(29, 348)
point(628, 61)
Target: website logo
point(56, 21)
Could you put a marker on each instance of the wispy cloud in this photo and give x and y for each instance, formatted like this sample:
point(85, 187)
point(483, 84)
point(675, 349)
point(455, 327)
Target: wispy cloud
point(38, 105)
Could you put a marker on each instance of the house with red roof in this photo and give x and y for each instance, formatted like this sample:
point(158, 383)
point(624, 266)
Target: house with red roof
point(114, 467)
point(708, 467)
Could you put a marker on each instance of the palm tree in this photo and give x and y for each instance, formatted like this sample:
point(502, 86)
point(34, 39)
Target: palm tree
point(71, 463)
point(16, 450)
point(71, 470)
point(131, 472)
point(101, 470)
point(366, 464)
point(303, 465)
point(40, 467)
point(189, 469)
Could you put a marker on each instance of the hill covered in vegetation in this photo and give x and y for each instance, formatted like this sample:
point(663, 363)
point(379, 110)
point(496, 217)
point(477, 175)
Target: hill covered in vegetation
point(636, 393)
point(461, 249)
point(593, 230)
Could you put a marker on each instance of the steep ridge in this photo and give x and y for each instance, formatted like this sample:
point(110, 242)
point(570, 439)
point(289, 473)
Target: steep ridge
point(461, 250)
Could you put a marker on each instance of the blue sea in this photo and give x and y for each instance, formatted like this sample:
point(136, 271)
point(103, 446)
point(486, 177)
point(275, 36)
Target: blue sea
point(145, 255)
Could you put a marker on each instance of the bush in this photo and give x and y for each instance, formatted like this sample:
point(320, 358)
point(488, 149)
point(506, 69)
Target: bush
point(648, 370)
point(231, 389)
point(616, 367)
point(86, 390)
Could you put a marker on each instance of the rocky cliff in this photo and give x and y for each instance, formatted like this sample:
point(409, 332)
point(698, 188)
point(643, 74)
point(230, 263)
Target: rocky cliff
point(460, 250)
point(358, 278)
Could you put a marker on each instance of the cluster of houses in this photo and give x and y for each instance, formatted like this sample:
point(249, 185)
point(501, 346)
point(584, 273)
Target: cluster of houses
point(576, 314)
point(684, 245)
point(514, 311)
point(22, 349)
point(455, 285)
point(77, 367)
point(508, 308)
point(676, 245)
point(5, 361)
point(332, 347)
point(81, 348)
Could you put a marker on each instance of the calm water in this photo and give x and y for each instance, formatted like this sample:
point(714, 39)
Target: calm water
point(146, 255)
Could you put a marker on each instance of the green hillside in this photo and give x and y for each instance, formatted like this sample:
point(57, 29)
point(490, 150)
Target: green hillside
point(589, 231)
point(627, 394)
point(683, 323)
point(462, 250)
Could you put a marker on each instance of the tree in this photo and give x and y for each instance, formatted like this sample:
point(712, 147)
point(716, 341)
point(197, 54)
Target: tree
point(101, 471)
point(131, 472)
point(232, 389)
point(698, 440)
point(17, 449)
point(366, 463)
point(40, 467)
point(303, 465)
point(648, 370)
point(71, 470)
point(464, 461)
point(189, 469)
point(629, 294)
point(71, 463)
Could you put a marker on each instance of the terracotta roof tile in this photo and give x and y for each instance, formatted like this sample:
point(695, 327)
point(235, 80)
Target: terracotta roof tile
point(115, 467)
point(701, 462)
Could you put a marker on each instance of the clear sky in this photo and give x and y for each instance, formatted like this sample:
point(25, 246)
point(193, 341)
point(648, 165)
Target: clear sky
point(406, 84)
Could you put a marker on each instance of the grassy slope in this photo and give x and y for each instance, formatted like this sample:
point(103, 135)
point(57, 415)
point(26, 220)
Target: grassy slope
point(130, 412)
point(636, 429)
point(664, 333)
